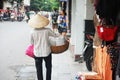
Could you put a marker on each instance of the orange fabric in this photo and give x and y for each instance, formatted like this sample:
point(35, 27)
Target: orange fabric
point(94, 77)
point(102, 63)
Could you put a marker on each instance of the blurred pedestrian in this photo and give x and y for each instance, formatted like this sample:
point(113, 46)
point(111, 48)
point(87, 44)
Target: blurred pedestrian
point(1, 16)
point(27, 15)
point(62, 22)
point(54, 20)
point(12, 16)
point(40, 39)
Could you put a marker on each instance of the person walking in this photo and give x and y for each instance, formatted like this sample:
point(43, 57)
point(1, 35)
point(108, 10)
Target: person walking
point(27, 15)
point(40, 39)
point(1, 16)
point(54, 20)
point(62, 22)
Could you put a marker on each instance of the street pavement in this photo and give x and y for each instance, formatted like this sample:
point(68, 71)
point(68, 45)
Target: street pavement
point(15, 65)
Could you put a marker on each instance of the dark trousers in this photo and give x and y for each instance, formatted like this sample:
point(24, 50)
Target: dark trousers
point(48, 64)
point(60, 29)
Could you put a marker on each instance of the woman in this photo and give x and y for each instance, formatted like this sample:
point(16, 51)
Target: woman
point(40, 40)
point(62, 22)
point(54, 20)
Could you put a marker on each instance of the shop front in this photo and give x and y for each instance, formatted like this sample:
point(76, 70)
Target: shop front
point(106, 53)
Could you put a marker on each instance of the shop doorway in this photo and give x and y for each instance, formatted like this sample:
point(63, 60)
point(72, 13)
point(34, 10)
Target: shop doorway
point(89, 27)
point(1, 4)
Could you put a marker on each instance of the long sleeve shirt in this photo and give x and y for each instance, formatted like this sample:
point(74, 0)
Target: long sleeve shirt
point(40, 40)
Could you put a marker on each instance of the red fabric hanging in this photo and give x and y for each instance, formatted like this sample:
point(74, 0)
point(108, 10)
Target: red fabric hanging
point(106, 33)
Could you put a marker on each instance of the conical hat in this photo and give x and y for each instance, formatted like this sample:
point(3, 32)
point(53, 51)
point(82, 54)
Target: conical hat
point(38, 21)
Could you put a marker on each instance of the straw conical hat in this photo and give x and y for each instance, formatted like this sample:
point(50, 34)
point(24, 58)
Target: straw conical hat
point(38, 21)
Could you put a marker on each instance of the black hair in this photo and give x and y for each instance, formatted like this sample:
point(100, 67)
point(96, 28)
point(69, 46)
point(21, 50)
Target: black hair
point(64, 12)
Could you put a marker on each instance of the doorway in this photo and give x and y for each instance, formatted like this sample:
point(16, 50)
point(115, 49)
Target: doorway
point(1, 4)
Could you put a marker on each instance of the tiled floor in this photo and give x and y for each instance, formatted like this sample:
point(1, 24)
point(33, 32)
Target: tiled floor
point(64, 67)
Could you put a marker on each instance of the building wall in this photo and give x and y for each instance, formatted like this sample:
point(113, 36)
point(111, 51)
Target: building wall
point(73, 23)
point(89, 10)
point(77, 25)
point(6, 4)
point(81, 10)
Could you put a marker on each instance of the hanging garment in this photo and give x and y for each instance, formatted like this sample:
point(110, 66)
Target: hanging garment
point(113, 50)
point(102, 63)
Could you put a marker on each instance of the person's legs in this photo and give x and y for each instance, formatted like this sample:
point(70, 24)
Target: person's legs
point(48, 64)
point(53, 27)
point(38, 64)
point(64, 31)
point(56, 28)
point(59, 29)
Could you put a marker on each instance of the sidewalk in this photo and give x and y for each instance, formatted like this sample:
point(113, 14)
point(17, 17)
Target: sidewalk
point(63, 68)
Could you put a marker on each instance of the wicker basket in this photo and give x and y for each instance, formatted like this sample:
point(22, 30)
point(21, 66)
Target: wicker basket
point(60, 49)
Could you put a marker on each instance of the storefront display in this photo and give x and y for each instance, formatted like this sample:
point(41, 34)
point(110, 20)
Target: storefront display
point(106, 59)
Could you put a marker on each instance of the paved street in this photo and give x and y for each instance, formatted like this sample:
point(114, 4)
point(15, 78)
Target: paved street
point(14, 37)
point(15, 65)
